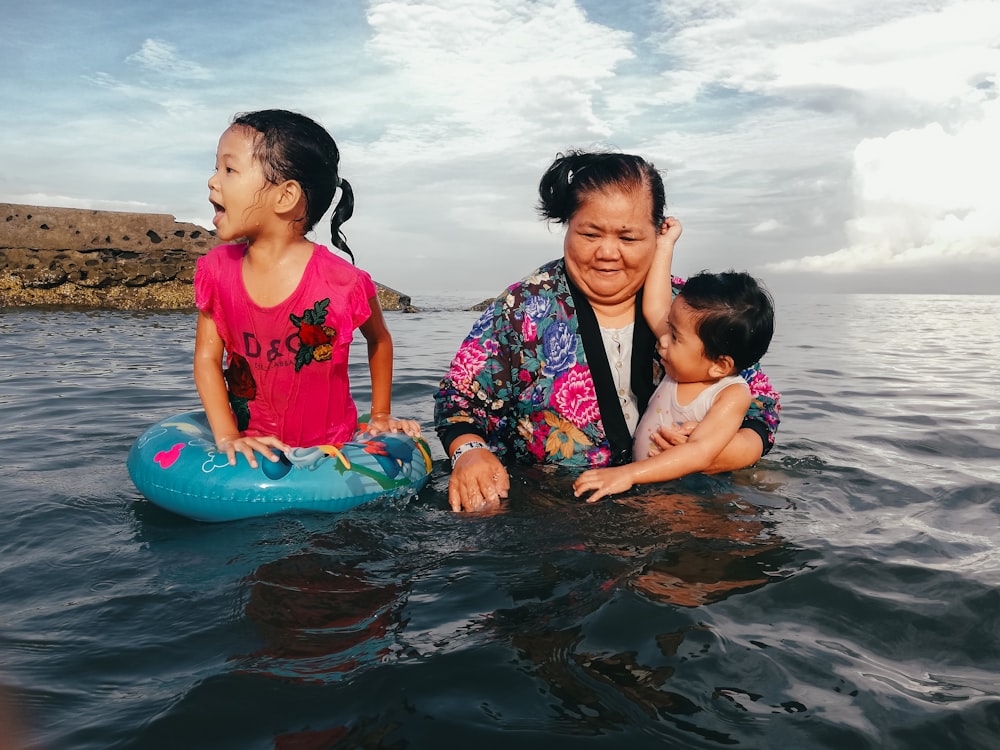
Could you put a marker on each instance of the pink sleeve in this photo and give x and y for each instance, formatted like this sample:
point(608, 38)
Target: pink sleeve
point(208, 278)
point(204, 288)
point(364, 290)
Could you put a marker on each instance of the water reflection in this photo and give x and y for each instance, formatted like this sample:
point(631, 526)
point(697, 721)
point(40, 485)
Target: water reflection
point(320, 612)
point(601, 606)
point(12, 732)
point(645, 622)
point(320, 618)
point(718, 550)
point(625, 631)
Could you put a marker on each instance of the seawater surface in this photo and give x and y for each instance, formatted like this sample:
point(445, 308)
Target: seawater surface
point(842, 593)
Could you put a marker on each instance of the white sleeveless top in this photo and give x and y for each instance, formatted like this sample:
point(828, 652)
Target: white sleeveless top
point(663, 409)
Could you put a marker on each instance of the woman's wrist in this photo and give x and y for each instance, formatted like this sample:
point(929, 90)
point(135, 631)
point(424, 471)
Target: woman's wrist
point(465, 448)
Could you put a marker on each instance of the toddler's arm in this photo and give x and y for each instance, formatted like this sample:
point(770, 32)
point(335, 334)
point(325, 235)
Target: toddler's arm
point(705, 442)
point(657, 292)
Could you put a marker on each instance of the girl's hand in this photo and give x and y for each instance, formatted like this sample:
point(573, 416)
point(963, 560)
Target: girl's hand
point(247, 445)
point(603, 482)
point(669, 435)
point(408, 426)
point(478, 482)
point(378, 423)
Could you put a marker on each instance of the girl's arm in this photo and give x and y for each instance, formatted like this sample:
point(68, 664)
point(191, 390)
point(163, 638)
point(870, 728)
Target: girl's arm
point(380, 366)
point(706, 442)
point(657, 291)
point(211, 385)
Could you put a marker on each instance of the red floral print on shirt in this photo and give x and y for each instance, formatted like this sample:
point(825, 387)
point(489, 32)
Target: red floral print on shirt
point(242, 389)
point(315, 337)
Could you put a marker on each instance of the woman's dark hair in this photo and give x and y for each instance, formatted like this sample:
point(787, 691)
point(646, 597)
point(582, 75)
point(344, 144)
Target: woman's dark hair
point(574, 174)
point(290, 146)
point(735, 315)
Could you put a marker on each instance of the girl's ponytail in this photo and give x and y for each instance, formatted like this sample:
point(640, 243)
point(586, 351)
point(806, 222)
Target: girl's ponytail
point(341, 213)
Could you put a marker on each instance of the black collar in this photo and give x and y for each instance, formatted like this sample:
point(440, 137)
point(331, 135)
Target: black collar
point(643, 353)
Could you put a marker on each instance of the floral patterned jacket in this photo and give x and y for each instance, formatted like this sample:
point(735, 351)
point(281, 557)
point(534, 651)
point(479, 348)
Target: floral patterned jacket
point(522, 381)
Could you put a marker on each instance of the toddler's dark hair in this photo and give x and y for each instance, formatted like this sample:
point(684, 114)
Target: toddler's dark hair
point(576, 173)
point(291, 146)
point(735, 315)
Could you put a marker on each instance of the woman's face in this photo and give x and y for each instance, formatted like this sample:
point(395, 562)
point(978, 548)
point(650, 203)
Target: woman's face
point(609, 244)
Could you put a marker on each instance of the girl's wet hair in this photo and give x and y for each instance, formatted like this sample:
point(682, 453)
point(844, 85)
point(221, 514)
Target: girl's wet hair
point(576, 173)
point(291, 146)
point(735, 315)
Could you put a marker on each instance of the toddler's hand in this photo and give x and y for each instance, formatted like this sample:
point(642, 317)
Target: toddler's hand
point(603, 482)
point(670, 232)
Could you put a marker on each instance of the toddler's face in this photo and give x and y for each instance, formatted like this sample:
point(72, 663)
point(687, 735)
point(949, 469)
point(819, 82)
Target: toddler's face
point(680, 348)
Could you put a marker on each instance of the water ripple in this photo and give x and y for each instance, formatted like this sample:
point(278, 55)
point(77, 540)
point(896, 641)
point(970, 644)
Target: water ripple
point(841, 593)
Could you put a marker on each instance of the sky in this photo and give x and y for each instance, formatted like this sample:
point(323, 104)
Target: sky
point(823, 147)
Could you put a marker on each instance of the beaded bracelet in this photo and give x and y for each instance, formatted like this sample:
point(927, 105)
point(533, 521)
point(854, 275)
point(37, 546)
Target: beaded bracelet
point(467, 447)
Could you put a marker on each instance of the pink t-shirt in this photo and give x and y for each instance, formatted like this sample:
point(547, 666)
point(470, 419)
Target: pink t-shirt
point(286, 366)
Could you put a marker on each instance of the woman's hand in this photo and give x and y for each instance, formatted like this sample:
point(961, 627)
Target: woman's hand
point(745, 449)
point(379, 423)
point(603, 482)
point(247, 445)
point(478, 481)
point(670, 435)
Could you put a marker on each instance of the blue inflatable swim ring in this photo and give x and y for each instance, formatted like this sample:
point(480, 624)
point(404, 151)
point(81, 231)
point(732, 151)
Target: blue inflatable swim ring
point(176, 465)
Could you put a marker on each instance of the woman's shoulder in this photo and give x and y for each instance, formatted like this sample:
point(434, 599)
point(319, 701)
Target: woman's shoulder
point(544, 281)
point(548, 275)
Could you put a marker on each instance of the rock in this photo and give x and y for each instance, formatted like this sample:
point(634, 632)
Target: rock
point(107, 259)
point(480, 306)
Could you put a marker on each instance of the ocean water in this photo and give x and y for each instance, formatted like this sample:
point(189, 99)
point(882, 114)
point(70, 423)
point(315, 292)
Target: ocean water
point(841, 593)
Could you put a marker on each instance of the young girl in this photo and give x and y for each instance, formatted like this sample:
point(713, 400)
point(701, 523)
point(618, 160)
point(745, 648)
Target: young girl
point(281, 308)
point(718, 325)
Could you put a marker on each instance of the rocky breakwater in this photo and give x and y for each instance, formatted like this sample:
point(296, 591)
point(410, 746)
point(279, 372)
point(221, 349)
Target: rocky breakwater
point(106, 259)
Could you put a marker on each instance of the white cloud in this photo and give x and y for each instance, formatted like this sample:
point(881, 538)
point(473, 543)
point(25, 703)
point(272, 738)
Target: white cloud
point(767, 226)
point(924, 196)
point(66, 201)
point(920, 54)
point(473, 98)
point(909, 90)
point(807, 135)
point(161, 57)
point(174, 87)
point(495, 71)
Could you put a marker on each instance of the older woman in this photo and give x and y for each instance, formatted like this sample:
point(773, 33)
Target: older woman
point(560, 367)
